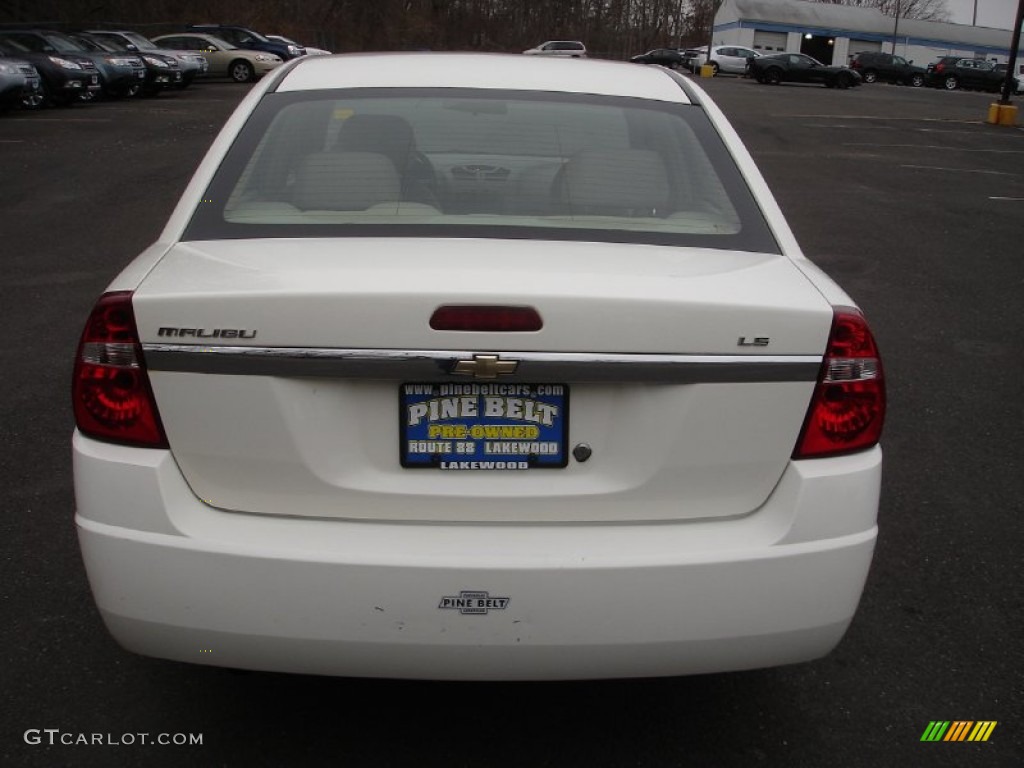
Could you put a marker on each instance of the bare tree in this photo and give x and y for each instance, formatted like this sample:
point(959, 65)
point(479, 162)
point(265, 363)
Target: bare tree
point(610, 28)
point(926, 10)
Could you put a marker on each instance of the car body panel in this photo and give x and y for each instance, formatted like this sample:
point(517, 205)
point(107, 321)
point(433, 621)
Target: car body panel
point(722, 295)
point(363, 599)
point(419, 70)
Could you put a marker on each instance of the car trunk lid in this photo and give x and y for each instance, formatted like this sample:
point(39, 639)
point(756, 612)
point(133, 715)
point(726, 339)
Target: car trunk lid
point(285, 372)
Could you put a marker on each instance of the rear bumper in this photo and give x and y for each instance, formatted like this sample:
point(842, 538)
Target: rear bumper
point(176, 579)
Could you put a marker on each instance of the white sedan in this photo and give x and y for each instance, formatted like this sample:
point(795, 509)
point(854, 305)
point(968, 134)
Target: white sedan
point(732, 59)
point(459, 366)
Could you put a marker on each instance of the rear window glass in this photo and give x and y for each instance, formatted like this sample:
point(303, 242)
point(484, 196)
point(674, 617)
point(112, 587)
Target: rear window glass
point(480, 163)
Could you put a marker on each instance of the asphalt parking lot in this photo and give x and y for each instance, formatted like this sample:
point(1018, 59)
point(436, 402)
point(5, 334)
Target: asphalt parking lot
point(905, 196)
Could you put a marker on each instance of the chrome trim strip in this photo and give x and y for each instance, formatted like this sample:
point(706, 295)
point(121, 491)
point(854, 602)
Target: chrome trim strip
point(436, 365)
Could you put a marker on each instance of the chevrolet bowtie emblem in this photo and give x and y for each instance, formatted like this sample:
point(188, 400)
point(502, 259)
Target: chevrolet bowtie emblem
point(485, 367)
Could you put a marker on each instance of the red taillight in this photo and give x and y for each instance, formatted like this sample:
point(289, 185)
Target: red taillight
point(939, 67)
point(486, 318)
point(110, 391)
point(848, 406)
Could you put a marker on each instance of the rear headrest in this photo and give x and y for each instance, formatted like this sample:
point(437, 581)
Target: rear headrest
point(388, 134)
point(344, 181)
point(626, 182)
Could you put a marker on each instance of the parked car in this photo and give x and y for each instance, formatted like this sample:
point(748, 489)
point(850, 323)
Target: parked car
point(953, 72)
point(637, 436)
point(693, 58)
point(162, 70)
point(19, 84)
point(666, 57)
point(732, 59)
point(243, 37)
point(566, 48)
point(63, 75)
point(309, 51)
point(191, 64)
point(118, 73)
point(874, 66)
point(223, 58)
point(110, 63)
point(801, 68)
point(1018, 82)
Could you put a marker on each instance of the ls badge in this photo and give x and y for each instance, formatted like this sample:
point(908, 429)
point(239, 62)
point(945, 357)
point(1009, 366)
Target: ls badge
point(757, 341)
point(473, 603)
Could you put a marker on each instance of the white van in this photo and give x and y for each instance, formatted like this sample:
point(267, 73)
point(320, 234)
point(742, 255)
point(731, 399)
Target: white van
point(572, 48)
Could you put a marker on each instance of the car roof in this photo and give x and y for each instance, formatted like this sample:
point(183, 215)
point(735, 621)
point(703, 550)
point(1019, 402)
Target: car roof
point(193, 33)
point(482, 70)
point(221, 26)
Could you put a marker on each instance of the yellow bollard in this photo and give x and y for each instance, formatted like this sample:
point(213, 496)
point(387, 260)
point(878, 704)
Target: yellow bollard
point(706, 70)
point(1002, 114)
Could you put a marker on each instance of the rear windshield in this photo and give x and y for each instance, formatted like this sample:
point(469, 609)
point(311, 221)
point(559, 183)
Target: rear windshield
point(461, 163)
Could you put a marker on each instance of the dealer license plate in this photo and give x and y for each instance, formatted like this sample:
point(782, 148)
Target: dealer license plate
point(484, 426)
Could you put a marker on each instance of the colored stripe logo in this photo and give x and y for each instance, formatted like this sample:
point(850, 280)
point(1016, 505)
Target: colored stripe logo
point(958, 730)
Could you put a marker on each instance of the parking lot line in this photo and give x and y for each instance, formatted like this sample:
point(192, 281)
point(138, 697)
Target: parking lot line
point(885, 117)
point(873, 145)
point(60, 120)
point(959, 170)
point(965, 133)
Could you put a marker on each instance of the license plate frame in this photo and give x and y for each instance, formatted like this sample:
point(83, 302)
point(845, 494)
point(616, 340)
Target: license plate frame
point(483, 426)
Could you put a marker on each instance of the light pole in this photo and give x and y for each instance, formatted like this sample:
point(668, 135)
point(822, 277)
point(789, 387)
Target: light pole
point(896, 27)
point(1004, 111)
point(713, 4)
point(1011, 65)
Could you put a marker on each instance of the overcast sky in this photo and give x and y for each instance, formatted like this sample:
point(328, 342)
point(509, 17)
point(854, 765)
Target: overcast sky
point(991, 13)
